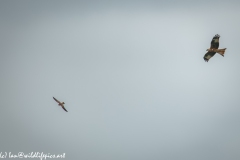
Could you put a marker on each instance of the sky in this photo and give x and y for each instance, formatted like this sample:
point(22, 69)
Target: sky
point(131, 74)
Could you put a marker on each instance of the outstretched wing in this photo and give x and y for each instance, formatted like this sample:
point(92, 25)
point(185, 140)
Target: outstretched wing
point(214, 46)
point(64, 108)
point(215, 42)
point(56, 100)
point(208, 55)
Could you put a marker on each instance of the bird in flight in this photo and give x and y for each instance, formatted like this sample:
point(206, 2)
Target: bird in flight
point(214, 49)
point(60, 104)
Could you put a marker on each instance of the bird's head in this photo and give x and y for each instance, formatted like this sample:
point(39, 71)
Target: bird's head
point(63, 103)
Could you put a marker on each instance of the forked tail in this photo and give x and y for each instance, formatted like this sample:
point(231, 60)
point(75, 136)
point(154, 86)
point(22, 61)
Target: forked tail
point(219, 51)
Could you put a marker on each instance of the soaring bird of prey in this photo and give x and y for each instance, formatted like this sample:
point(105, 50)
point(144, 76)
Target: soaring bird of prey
point(214, 49)
point(60, 104)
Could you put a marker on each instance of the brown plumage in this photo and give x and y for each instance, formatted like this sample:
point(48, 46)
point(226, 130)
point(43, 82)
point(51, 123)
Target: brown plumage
point(60, 104)
point(214, 49)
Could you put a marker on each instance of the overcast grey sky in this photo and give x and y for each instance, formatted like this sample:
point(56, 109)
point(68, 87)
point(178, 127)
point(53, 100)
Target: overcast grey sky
point(132, 76)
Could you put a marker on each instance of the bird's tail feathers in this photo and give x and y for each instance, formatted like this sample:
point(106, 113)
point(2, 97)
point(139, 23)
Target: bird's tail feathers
point(219, 51)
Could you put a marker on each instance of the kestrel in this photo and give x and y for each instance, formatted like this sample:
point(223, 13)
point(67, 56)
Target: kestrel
point(60, 104)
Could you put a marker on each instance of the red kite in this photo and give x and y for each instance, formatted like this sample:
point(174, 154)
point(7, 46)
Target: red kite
point(214, 49)
point(60, 103)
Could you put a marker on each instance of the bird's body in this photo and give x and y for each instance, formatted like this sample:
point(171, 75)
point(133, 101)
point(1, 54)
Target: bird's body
point(60, 104)
point(214, 49)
